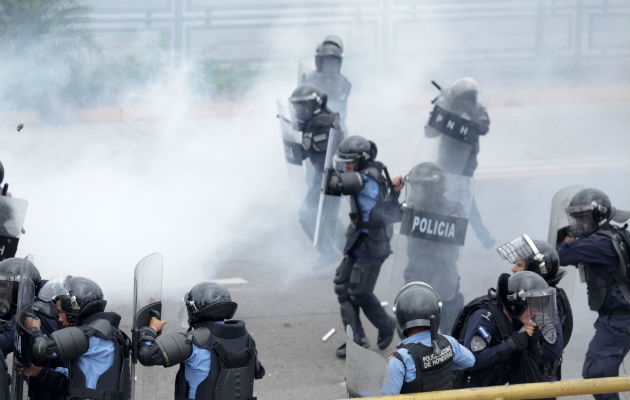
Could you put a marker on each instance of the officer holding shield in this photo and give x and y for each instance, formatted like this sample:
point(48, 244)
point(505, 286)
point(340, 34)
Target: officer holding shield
point(91, 347)
point(217, 356)
point(327, 77)
point(602, 252)
point(374, 208)
point(457, 120)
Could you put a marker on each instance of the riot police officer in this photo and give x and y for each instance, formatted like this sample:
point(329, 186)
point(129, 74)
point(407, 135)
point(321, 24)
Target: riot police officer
point(217, 356)
point(457, 154)
point(503, 330)
point(425, 359)
point(91, 347)
point(318, 125)
point(601, 250)
point(540, 257)
point(328, 78)
point(374, 208)
point(433, 259)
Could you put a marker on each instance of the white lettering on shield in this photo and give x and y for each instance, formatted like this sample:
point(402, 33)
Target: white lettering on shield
point(432, 227)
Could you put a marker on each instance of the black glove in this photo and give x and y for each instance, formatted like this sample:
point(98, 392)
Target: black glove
point(533, 341)
point(518, 341)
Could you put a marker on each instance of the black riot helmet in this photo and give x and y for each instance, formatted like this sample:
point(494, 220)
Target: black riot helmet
point(426, 183)
point(329, 55)
point(209, 301)
point(534, 255)
point(80, 298)
point(588, 209)
point(356, 149)
point(417, 305)
point(515, 291)
point(10, 271)
point(306, 101)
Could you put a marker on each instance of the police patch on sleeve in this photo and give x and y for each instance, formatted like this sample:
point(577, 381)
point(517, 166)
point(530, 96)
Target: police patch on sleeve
point(550, 334)
point(477, 344)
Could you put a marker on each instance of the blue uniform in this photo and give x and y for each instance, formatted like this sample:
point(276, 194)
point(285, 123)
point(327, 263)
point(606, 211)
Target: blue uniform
point(98, 358)
point(197, 369)
point(406, 370)
point(612, 328)
point(368, 198)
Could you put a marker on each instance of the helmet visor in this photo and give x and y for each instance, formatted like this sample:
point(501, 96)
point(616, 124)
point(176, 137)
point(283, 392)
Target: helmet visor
point(581, 223)
point(52, 289)
point(519, 249)
point(301, 112)
point(542, 308)
point(330, 64)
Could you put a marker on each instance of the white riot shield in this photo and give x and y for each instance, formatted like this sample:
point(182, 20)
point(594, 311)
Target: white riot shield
point(23, 340)
point(558, 220)
point(366, 371)
point(450, 137)
point(432, 232)
point(12, 215)
point(291, 137)
point(147, 303)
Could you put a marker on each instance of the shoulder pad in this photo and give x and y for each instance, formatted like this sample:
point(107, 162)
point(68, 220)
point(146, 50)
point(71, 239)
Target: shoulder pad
point(373, 170)
point(201, 337)
point(71, 342)
point(175, 348)
point(101, 328)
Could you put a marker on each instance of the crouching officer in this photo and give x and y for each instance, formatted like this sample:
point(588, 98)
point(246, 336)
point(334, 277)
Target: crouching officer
point(374, 208)
point(425, 359)
point(92, 348)
point(540, 257)
point(503, 330)
point(217, 358)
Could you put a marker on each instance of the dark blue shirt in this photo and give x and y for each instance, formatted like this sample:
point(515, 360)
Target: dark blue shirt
point(598, 252)
point(480, 330)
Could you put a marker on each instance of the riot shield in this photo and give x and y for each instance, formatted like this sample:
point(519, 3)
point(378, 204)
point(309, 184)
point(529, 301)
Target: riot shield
point(12, 215)
point(23, 340)
point(7, 285)
point(366, 371)
point(291, 137)
point(450, 137)
point(147, 303)
point(335, 86)
point(433, 229)
point(558, 220)
point(328, 207)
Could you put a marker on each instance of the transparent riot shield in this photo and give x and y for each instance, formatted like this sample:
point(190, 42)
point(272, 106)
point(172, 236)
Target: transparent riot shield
point(432, 232)
point(450, 137)
point(558, 220)
point(335, 86)
point(7, 285)
point(328, 206)
point(291, 137)
point(147, 303)
point(23, 340)
point(12, 215)
point(366, 371)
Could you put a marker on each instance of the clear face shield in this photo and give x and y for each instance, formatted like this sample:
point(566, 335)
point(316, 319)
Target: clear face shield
point(581, 222)
point(330, 64)
point(301, 112)
point(339, 163)
point(521, 249)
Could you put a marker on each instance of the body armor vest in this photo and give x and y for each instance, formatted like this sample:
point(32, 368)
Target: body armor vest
point(232, 365)
point(380, 223)
point(4, 378)
point(433, 372)
point(567, 315)
point(115, 383)
point(497, 374)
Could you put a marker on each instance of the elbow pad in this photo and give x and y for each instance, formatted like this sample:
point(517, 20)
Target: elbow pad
point(175, 348)
point(70, 343)
point(344, 183)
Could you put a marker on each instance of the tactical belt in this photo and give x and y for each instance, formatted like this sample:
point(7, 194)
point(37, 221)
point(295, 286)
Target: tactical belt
point(95, 394)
